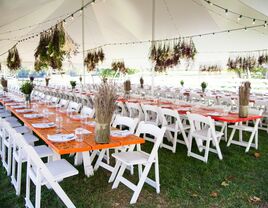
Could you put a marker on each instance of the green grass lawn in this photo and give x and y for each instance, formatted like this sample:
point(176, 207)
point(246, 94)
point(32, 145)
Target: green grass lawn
point(185, 182)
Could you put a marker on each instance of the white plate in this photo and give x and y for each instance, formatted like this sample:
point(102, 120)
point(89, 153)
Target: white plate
point(18, 106)
point(91, 123)
point(82, 131)
point(24, 111)
point(44, 125)
point(33, 115)
point(61, 137)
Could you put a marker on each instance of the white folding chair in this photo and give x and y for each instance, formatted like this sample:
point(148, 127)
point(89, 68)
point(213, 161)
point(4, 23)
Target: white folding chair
point(243, 127)
point(87, 111)
point(172, 121)
point(74, 106)
point(140, 158)
point(121, 121)
point(135, 111)
point(203, 130)
point(48, 174)
point(20, 156)
point(63, 103)
point(121, 109)
point(151, 114)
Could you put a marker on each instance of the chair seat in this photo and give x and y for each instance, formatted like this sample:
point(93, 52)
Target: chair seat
point(14, 124)
point(171, 127)
point(219, 123)
point(22, 130)
point(5, 114)
point(61, 169)
point(132, 158)
point(242, 127)
point(11, 118)
point(202, 134)
point(30, 138)
point(43, 151)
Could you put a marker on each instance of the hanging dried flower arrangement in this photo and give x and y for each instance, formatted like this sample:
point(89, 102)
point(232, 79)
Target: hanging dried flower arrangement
point(168, 54)
point(263, 59)
point(210, 68)
point(53, 47)
point(13, 59)
point(94, 58)
point(119, 66)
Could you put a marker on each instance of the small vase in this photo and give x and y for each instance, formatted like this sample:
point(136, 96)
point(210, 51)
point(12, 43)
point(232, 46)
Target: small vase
point(27, 99)
point(102, 133)
point(203, 90)
point(243, 111)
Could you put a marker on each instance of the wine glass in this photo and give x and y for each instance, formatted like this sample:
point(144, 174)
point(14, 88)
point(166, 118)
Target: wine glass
point(79, 134)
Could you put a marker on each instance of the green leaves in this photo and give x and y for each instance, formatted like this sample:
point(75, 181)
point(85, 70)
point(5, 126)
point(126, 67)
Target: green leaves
point(27, 88)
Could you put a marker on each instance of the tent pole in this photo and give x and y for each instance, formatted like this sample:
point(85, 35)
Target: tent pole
point(153, 38)
point(83, 43)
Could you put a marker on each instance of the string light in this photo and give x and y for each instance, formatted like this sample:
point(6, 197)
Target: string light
point(239, 16)
point(72, 16)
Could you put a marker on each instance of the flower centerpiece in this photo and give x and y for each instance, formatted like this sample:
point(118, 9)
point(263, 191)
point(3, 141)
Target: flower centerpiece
point(27, 88)
point(204, 86)
point(105, 105)
point(73, 84)
point(182, 83)
point(244, 92)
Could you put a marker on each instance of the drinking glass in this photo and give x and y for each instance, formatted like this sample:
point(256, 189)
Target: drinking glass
point(58, 122)
point(45, 112)
point(79, 134)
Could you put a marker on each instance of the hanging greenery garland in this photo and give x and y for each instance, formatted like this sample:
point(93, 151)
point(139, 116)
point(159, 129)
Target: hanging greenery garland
point(13, 59)
point(54, 46)
point(94, 58)
point(167, 55)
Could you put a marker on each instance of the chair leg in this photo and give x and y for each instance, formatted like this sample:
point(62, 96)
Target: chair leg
point(190, 145)
point(206, 151)
point(38, 192)
point(250, 141)
point(119, 176)
point(115, 171)
point(9, 161)
point(140, 184)
point(157, 178)
point(28, 185)
point(19, 178)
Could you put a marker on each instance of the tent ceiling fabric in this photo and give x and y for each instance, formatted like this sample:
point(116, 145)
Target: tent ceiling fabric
point(110, 21)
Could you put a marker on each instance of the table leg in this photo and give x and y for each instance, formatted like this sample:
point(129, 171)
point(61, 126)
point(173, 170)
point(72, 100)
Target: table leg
point(88, 169)
point(231, 136)
point(78, 159)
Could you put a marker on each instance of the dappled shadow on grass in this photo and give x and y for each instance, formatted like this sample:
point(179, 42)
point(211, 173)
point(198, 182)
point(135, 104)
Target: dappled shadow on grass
point(185, 182)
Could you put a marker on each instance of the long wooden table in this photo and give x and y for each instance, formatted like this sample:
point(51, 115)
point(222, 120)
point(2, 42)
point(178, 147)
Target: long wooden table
point(68, 126)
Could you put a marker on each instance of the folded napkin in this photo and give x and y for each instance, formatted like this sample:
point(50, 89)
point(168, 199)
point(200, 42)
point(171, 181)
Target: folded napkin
point(12, 104)
point(120, 133)
point(18, 106)
point(78, 117)
point(24, 111)
point(33, 115)
point(44, 125)
point(91, 123)
point(82, 131)
point(214, 114)
point(61, 137)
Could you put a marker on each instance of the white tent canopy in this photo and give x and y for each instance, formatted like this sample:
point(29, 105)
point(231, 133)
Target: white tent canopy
point(109, 21)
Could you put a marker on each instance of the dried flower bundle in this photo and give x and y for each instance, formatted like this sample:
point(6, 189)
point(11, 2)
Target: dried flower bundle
point(119, 66)
point(4, 82)
point(53, 47)
point(210, 68)
point(244, 92)
point(127, 86)
point(244, 63)
point(141, 82)
point(13, 59)
point(94, 58)
point(167, 55)
point(105, 102)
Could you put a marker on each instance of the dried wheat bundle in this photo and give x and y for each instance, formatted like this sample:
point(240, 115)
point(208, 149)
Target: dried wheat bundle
point(244, 92)
point(105, 102)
